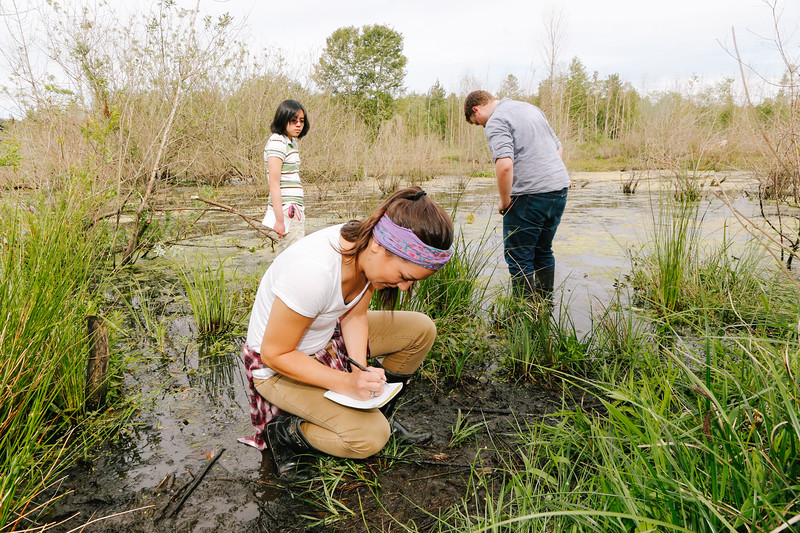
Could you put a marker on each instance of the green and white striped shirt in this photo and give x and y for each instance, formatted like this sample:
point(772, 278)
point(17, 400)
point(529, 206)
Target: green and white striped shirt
point(284, 148)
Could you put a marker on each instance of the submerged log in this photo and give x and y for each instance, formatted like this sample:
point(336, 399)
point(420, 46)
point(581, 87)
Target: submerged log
point(97, 365)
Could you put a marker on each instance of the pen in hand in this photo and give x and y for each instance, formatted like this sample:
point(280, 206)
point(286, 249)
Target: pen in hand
point(358, 365)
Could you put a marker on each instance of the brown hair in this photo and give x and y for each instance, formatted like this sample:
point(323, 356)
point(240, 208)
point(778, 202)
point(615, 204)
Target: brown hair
point(407, 208)
point(476, 98)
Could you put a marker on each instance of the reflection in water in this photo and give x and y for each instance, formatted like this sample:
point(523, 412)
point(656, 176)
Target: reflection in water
point(218, 367)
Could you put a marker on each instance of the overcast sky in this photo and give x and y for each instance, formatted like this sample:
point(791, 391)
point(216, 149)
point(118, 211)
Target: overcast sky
point(652, 44)
point(649, 43)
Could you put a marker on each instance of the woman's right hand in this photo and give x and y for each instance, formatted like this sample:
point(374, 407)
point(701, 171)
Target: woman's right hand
point(362, 383)
point(280, 228)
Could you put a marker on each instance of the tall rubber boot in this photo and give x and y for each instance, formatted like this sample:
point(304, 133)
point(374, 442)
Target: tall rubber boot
point(399, 431)
point(545, 281)
point(523, 286)
point(286, 441)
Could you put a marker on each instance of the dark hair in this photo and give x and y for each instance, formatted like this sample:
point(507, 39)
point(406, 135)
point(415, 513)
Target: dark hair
point(411, 210)
point(476, 98)
point(286, 111)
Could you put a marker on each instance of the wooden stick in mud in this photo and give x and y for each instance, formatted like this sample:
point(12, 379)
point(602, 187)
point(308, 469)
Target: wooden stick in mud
point(254, 222)
point(97, 365)
point(197, 482)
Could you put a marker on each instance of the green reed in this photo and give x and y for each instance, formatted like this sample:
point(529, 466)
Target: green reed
point(674, 242)
point(729, 286)
point(455, 290)
point(453, 297)
point(540, 340)
point(48, 285)
point(211, 296)
point(148, 324)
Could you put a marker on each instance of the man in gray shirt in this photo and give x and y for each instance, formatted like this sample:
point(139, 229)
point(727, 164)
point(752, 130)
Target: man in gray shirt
point(533, 184)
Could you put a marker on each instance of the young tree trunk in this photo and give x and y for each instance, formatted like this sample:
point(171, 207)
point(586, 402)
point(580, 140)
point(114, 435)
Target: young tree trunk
point(97, 365)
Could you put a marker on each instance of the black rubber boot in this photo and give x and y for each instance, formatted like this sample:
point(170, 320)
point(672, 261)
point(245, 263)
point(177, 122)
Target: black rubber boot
point(545, 281)
point(399, 431)
point(523, 286)
point(286, 441)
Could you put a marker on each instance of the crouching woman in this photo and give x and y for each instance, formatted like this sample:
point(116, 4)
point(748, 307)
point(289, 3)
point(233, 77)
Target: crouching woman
point(311, 313)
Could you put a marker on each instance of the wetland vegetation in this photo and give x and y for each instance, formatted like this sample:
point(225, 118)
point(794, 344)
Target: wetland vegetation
point(673, 407)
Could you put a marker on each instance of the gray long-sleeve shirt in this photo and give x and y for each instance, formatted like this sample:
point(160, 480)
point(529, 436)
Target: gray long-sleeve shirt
point(520, 131)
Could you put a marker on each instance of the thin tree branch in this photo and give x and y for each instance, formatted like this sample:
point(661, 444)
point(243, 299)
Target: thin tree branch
point(746, 224)
point(253, 222)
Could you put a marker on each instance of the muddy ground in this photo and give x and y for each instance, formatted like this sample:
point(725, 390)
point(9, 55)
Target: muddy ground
point(193, 409)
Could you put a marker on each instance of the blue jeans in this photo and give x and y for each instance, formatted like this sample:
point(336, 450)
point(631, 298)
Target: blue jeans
point(529, 227)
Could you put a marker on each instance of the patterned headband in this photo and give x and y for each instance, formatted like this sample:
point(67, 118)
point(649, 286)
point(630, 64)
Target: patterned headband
point(403, 242)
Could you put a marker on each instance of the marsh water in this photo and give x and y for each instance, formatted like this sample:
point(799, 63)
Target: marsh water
point(192, 401)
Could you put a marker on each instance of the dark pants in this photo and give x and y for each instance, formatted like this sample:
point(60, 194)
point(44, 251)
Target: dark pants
point(529, 227)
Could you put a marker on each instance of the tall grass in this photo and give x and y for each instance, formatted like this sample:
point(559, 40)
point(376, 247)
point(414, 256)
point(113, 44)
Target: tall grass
point(730, 287)
point(678, 428)
point(148, 325)
point(674, 242)
point(542, 342)
point(696, 433)
point(451, 297)
point(211, 297)
point(455, 290)
point(48, 278)
point(692, 440)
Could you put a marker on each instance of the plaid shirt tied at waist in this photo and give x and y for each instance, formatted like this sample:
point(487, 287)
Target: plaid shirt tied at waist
point(261, 411)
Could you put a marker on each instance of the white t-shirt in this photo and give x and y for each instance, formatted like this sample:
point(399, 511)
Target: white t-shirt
point(307, 277)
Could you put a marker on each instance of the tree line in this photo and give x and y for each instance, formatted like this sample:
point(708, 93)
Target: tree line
point(120, 85)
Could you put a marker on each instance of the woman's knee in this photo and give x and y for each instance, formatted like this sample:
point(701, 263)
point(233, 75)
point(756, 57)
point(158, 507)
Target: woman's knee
point(424, 327)
point(367, 442)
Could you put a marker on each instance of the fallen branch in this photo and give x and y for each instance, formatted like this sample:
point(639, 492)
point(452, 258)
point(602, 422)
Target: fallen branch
point(427, 462)
point(80, 528)
point(253, 222)
point(197, 482)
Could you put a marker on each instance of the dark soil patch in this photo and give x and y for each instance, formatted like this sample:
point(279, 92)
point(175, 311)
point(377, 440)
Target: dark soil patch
point(195, 407)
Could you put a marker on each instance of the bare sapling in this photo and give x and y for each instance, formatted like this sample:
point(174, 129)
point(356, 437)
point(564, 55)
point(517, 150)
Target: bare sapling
point(779, 166)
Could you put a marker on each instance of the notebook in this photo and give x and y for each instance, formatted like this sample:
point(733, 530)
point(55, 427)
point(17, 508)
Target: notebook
point(269, 219)
point(390, 390)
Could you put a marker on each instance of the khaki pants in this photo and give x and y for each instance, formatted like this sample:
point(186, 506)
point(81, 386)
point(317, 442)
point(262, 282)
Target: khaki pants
point(400, 340)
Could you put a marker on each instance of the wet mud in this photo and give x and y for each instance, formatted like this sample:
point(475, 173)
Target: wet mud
point(194, 407)
point(158, 476)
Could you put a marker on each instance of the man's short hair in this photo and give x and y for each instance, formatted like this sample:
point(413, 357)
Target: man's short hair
point(476, 98)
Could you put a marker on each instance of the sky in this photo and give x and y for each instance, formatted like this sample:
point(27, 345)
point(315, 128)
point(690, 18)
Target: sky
point(652, 44)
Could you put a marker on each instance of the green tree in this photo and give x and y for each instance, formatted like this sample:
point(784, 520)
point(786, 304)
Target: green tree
point(610, 117)
point(365, 67)
point(578, 96)
point(437, 110)
point(510, 88)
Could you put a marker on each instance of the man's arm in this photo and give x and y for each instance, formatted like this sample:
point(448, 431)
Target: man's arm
point(504, 168)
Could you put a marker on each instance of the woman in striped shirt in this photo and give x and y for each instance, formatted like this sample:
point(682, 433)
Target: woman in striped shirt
point(283, 169)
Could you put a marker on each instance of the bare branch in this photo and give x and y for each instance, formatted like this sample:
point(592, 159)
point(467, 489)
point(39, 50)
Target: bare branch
point(759, 232)
point(253, 222)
